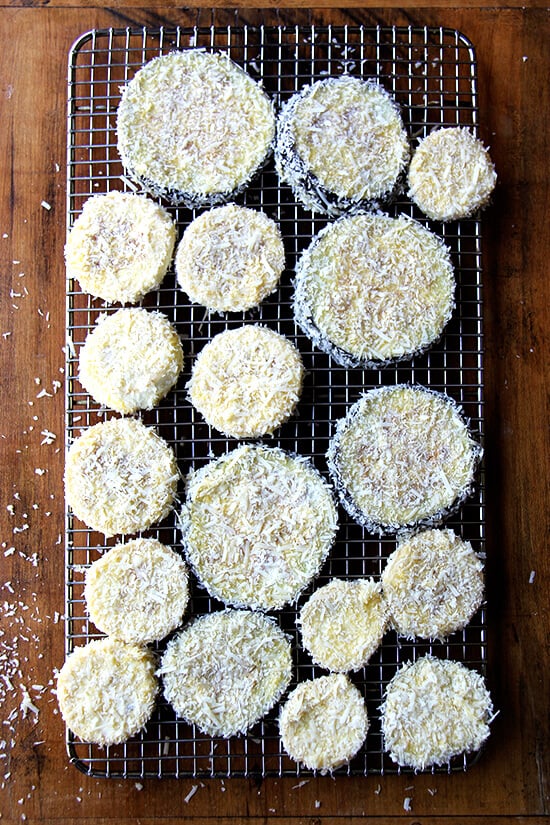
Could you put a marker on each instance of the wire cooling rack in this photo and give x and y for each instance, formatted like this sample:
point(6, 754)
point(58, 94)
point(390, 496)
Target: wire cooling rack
point(432, 74)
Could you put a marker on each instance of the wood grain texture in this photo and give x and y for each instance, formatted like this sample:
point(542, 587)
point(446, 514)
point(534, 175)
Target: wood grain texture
point(511, 780)
point(165, 5)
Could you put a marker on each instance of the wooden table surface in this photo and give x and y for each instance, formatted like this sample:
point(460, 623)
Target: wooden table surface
point(511, 780)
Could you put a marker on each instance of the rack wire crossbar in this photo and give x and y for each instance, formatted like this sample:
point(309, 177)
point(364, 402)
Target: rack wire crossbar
point(432, 75)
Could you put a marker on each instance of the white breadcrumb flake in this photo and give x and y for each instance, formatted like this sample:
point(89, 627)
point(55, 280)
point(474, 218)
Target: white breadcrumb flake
point(246, 382)
point(120, 477)
point(434, 709)
point(433, 584)
point(403, 456)
point(324, 722)
point(451, 174)
point(372, 289)
point(343, 622)
point(46, 205)
point(27, 704)
point(21, 529)
point(191, 794)
point(532, 575)
point(138, 591)
point(230, 258)
point(226, 670)
point(120, 246)
point(257, 526)
point(131, 360)
point(194, 127)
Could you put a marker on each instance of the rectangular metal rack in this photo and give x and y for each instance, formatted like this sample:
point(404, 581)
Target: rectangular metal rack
point(432, 75)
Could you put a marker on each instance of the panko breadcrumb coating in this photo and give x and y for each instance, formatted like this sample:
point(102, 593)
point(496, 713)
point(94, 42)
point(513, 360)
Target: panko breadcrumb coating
point(343, 623)
point(131, 360)
point(324, 722)
point(194, 127)
point(226, 670)
point(230, 258)
point(341, 144)
point(246, 382)
point(451, 174)
point(137, 591)
point(403, 456)
point(433, 584)
point(120, 477)
point(120, 247)
point(434, 709)
point(257, 525)
point(371, 289)
point(106, 690)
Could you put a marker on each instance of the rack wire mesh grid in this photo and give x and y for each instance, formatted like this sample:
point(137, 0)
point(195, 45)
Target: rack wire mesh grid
point(432, 74)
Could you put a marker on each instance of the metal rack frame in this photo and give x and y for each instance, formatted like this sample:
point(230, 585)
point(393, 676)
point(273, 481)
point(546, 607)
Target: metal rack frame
point(432, 75)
